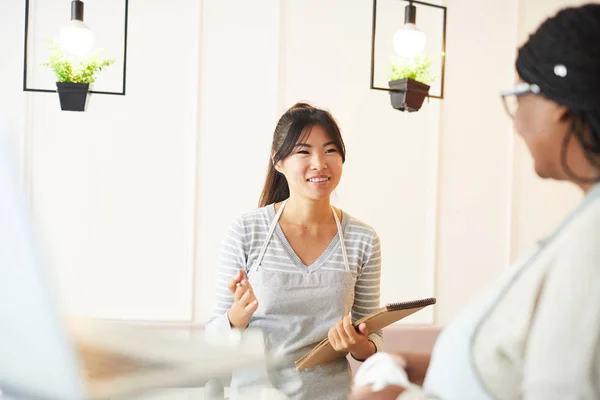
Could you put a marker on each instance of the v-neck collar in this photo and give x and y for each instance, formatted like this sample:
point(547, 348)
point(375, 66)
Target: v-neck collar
point(323, 258)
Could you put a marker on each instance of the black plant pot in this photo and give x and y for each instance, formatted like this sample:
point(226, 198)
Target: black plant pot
point(73, 96)
point(410, 94)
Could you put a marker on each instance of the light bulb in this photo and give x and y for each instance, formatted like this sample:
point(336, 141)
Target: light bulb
point(409, 41)
point(76, 38)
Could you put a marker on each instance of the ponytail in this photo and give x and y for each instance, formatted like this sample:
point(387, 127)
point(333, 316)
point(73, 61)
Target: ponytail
point(276, 188)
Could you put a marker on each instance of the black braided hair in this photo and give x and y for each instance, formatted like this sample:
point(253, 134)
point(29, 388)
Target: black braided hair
point(562, 57)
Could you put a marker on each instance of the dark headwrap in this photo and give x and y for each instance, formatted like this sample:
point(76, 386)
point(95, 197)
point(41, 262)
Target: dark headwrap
point(563, 58)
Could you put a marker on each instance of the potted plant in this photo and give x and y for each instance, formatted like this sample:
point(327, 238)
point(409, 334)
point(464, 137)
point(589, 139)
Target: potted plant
point(410, 80)
point(73, 78)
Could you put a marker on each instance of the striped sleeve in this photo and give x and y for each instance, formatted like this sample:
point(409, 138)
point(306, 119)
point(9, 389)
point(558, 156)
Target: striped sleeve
point(367, 289)
point(232, 258)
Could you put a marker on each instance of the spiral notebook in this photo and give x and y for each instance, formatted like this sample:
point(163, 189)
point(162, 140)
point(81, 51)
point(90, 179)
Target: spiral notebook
point(323, 352)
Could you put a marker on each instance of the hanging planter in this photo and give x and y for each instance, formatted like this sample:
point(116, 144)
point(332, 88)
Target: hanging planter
point(409, 82)
point(408, 94)
point(409, 43)
point(74, 78)
point(72, 96)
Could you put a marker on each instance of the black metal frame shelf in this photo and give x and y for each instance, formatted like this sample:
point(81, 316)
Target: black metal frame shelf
point(373, 34)
point(25, 48)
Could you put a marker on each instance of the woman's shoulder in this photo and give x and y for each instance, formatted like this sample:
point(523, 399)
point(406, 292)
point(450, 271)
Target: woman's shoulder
point(255, 219)
point(581, 235)
point(356, 226)
point(579, 241)
point(575, 253)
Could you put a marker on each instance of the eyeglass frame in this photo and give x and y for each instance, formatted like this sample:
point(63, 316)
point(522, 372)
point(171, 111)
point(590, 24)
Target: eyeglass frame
point(520, 89)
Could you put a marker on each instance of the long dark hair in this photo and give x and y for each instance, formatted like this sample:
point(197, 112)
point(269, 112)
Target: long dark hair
point(294, 126)
point(569, 41)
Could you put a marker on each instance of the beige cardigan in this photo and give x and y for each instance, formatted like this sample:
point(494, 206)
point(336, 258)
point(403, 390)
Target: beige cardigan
point(542, 339)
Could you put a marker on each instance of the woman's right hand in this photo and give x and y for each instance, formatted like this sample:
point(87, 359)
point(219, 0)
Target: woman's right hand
point(244, 302)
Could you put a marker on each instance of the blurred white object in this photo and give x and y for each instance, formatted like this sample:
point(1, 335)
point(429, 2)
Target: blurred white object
point(234, 337)
point(381, 370)
point(409, 41)
point(214, 390)
point(76, 38)
point(263, 393)
point(41, 356)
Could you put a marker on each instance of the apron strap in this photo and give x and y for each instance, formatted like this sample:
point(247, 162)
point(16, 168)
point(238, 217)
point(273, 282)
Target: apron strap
point(341, 234)
point(269, 234)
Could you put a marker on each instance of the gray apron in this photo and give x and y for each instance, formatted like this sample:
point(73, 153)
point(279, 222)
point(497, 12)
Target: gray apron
point(296, 311)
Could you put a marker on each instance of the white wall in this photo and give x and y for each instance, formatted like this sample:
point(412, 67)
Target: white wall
point(12, 99)
point(475, 157)
point(239, 81)
point(134, 195)
point(113, 188)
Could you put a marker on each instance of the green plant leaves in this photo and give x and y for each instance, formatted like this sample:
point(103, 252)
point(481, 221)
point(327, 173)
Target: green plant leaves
point(65, 69)
point(417, 68)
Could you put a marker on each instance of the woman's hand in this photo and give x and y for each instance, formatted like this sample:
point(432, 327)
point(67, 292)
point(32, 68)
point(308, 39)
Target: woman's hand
point(344, 337)
point(244, 302)
point(380, 377)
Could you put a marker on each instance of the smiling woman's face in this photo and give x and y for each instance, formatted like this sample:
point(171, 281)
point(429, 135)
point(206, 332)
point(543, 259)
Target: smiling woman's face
point(314, 167)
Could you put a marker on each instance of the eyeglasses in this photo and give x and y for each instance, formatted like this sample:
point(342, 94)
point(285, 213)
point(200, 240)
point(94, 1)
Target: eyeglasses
point(510, 97)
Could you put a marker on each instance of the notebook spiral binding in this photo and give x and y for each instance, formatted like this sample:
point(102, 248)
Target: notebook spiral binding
point(410, 304)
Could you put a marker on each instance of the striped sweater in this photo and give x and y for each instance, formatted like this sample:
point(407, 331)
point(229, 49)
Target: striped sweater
point(241, 248)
